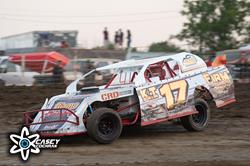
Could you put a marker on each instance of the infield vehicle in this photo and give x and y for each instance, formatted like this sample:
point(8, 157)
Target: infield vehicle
point(12, 74)
point(144, 92)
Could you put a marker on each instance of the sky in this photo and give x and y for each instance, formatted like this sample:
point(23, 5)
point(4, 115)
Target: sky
point(149, 20)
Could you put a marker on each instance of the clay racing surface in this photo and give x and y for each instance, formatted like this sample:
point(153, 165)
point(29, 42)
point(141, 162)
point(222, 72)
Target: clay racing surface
point(226, 141)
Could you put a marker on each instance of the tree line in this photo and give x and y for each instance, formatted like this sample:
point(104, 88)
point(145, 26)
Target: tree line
point(212, 25)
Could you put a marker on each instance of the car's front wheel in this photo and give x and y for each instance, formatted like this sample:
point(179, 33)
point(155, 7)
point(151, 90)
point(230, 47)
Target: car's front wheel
point(199, 121)
point(104, 125)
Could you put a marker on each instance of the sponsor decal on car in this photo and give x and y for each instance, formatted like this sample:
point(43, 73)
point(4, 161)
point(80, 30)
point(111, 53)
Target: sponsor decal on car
point(167, 90)
point(216, 77)
point(109, 96)
point(189, 60)
point(68, 103)
point(149, 93)
point(70, 106)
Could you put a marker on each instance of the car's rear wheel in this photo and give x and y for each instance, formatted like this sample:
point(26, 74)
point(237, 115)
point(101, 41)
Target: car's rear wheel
point(199, 121)
point(104, 125)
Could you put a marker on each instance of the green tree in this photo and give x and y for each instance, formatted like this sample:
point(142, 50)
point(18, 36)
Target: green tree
point(163, 47)
point(215, 24)
point(247, 35)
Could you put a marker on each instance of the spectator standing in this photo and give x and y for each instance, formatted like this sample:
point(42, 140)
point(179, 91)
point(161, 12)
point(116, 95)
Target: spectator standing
point(57, 72)
point(64, 44)
point(105, 37)
point(120, 38)
point(128, 38)
point(116, 39)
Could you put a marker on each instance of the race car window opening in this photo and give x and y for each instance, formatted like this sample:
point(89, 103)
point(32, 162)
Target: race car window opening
point(110, 81)
point(95, 78)
point(174, 66)
point(161, 70)
point(125, 77)
point(133, 76)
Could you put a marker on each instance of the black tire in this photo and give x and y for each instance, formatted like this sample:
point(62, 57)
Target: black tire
point(104, 125)
point(199, 121)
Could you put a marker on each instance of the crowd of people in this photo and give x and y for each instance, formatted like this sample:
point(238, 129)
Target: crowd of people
point(118, 39)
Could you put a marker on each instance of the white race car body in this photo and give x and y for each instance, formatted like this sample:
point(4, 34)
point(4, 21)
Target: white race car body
point(151, 90)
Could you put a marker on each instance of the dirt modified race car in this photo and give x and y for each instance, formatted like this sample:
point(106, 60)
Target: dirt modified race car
point(144, 92)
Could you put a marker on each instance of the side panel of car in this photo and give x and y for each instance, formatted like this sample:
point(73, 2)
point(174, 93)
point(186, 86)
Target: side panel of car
point(220, 84)
point(115, 93)
point(167, 99)
point(173, 98)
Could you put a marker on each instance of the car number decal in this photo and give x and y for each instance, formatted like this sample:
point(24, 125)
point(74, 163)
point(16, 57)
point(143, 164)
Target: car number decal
point(167, 91)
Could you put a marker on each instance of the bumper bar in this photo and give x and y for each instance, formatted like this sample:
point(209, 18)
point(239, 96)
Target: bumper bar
point(46, 113)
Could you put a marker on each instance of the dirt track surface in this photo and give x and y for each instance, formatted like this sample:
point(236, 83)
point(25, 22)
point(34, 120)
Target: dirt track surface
point(226, 141)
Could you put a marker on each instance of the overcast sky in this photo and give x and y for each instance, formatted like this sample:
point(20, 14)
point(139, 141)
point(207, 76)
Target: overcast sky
point(149, 20)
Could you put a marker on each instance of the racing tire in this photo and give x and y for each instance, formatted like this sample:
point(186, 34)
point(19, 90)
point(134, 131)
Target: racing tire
point(104, 125)
point(199, 121)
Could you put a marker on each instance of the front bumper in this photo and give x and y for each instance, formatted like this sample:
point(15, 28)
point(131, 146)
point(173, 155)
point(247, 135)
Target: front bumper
point(52, 122)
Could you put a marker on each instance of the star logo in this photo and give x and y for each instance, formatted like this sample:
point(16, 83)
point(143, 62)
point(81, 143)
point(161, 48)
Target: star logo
point(24, 143)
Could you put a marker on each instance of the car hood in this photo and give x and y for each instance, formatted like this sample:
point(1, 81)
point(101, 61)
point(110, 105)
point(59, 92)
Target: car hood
point(58, 112)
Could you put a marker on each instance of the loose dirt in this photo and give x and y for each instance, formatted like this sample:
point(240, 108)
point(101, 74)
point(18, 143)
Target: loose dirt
point(226, 141)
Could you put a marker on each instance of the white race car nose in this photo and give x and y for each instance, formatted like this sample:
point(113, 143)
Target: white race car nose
point(50, 119)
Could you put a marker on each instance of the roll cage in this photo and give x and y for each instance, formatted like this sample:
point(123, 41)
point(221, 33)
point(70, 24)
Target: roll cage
point(125, 76)
point(142, 71)
point(160, 69)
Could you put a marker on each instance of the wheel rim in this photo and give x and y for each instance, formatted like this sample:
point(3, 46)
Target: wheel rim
point(201, 117)
point(106, 125)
